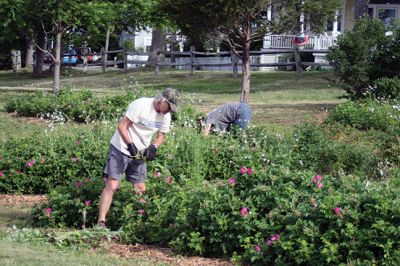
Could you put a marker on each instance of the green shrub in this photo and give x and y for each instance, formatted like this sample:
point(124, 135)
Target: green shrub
point(315, 151)
point(385, 89)
point(365, 54)
point(34, 165)
point(369, 114)
point(79, 106)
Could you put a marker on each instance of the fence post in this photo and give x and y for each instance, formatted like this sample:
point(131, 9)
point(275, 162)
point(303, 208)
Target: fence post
point(235, 62)
point(192, 60)
point(299, 69)
point(103, 60)
point(125, 55)
point(115, 62)
point(157, 70)
point(16, 60)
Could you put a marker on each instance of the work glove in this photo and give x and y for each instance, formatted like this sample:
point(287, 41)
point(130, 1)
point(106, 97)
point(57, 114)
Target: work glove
point(150, 152)
point(132, 149)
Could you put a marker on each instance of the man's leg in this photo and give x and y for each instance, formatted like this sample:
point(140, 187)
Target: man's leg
point(106, 198)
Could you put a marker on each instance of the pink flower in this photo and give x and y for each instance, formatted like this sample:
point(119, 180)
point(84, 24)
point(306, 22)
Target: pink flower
point(243, 170)
point(141, 200)
point(269, 242)
point(30, 163)
point(257, 248)
point(1, 173)
point(47, 211)
point(250, 171)
point(75, 159)
point(337, 210)
point(17, 171)
point(169, 180)
point(275, 237)
point(157, 174)
point(141, 212)
point(77, 142)
point(316, 178)
point(87, 203)
point(244, 212)
point(232, 181)
point(78, 183)
point(320, 185)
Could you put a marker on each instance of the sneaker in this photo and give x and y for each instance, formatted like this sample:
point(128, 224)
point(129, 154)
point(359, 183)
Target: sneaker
point(102, 224)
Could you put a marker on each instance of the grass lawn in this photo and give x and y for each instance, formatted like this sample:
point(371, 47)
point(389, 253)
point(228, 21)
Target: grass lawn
point(279, 101)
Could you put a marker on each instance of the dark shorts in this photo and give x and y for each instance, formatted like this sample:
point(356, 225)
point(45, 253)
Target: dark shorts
point(119, 164)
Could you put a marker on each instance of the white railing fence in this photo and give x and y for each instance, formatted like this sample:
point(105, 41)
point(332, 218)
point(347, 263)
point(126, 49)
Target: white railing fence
point(315, 42)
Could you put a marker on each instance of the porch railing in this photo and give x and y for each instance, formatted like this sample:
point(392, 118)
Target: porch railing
point(315, 42)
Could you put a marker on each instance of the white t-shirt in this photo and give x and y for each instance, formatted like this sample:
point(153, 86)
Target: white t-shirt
point(145, 122)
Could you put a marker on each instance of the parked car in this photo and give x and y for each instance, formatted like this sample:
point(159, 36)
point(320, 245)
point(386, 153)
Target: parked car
point(70, 57)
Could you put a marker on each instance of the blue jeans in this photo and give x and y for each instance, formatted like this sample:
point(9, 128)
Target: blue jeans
point(244, 116)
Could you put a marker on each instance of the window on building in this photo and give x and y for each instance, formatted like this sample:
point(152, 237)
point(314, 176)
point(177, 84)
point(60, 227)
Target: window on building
point(387, 15)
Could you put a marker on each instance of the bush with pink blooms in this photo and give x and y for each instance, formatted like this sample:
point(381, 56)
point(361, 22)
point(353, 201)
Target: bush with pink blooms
point(258, 198)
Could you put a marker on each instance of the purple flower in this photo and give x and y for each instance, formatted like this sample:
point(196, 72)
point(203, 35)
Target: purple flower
point(87, 203)
point(244, 212)
point(257, 248)
point(78, 183)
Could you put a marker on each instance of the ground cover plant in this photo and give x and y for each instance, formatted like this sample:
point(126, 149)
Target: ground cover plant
point(326, 194)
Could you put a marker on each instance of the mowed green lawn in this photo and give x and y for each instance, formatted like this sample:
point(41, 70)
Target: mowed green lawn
point(279, 101)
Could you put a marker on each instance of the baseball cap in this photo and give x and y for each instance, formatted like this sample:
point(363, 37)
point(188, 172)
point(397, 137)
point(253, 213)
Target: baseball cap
point(172, 97)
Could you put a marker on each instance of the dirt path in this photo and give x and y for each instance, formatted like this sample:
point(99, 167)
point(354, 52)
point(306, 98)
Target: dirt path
point(153, 253)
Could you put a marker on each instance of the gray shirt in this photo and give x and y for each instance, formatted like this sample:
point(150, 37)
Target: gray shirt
point(222, 117)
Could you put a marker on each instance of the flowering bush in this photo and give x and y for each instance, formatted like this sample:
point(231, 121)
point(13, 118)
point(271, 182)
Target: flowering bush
point(258, 198)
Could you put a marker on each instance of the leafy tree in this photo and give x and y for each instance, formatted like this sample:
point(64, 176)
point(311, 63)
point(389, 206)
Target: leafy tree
point(242, 22)
point(369, 52)
point(17, 32)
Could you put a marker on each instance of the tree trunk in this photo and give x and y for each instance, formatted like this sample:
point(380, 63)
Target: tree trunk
point(29, 53)
point(361, 8)
point(157, 44)
point(41, 42)
point(107, 42)
point(57, 63)
point(246, 65)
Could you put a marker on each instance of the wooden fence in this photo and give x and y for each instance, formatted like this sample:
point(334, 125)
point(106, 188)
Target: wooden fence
point(192, 63)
